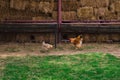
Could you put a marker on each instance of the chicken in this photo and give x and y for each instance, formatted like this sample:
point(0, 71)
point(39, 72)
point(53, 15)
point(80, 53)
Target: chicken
point(46, 45)
point(77, 41)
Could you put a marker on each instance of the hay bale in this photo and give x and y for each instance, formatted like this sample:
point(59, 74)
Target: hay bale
point(23, 37)
point(19, 4)
point(44, 0)
point(102, 37)
point(85, 13)
point(2, 4)
point(103, 3)
point(115, 37)
point(52, 38)
point(34, 6)
point(69, 15)
point(90, 3)
point(101, 11)
point(44, 37)
point(54, 15)
point(66, 15)
point(86, 38)
point(104, 14)
point(90, 37)
point(46, 7)
point(95, 3)
point(40, 18)
point(111, 16)
point(70, 5)
point(118, 16)
point(16, 15)
point(4, 13)
point(55, 6)
point(93, 37)
point(39, 37)
point(112, 1)
point(115, 6)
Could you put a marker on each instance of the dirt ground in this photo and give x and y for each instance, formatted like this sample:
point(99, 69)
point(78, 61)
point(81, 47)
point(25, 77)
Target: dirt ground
point(24, 49)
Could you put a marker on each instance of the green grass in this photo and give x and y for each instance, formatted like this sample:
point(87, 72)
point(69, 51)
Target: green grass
point(89, 66)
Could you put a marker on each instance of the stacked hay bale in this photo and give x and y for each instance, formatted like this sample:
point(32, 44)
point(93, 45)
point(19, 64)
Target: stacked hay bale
point(4, 5)
point(70, 5)
point(19, 4)
point(91, 9)
point(66, 15)
point(26, 9)
point(102, 9)
point(71, 10)
point(95, 3)
point(71, 15)
point(85, 13)
point(115, 8)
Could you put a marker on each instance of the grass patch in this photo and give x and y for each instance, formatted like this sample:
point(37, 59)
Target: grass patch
point(89, 66)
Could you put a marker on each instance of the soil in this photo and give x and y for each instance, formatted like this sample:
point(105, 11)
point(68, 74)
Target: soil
point(36, 49)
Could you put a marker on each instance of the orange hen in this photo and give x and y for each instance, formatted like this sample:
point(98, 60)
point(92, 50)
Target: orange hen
point(77, 41)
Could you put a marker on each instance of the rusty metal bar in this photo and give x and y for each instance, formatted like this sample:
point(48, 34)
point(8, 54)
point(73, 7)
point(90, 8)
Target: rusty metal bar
point(93, 23)
point(59, 20)
point(27, 21)
point(89, 21)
